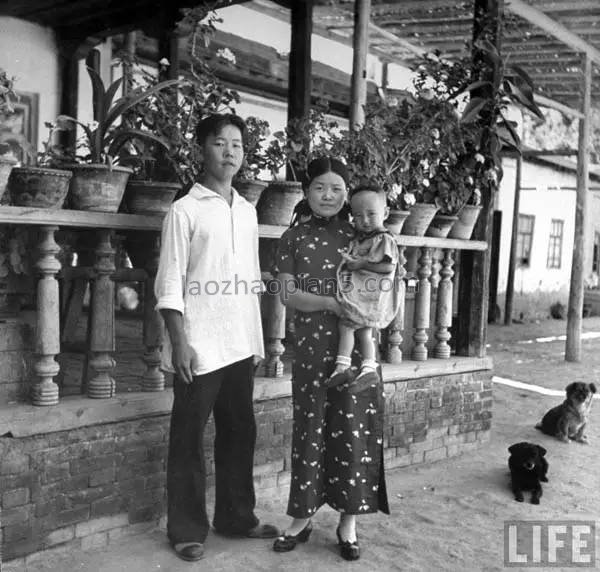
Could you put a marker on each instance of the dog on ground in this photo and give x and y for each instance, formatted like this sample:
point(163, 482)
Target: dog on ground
point(528, 469)
point(568, 420)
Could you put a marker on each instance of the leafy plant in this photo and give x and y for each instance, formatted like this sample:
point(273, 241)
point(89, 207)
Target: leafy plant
point(302, 140)
point(7, 94)
point(255, 160)
point(103, 138)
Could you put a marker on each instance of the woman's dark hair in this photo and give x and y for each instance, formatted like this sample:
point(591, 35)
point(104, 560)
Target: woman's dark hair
point(212, 125)
point(316, 168)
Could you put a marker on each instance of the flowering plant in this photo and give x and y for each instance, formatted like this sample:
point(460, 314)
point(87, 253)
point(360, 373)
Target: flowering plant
point(254, 148)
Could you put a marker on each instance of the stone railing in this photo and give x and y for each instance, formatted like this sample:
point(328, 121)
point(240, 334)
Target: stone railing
point(433, 272)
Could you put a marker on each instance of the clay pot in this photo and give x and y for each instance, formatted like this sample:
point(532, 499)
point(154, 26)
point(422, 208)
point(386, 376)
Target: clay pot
point(6, 165)
point(250, 189)
point(420, 215)
point(277, 202)
point(463, 227)
point(38, 187)
point(395, 220)
point(97, 187)
point(440, 225)
point(150, 197)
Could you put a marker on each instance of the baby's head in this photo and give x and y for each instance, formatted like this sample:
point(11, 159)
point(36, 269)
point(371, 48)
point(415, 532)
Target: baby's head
point(369, 208)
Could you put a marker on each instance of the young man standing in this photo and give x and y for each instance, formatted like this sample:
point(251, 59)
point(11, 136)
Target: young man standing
point(207, 291)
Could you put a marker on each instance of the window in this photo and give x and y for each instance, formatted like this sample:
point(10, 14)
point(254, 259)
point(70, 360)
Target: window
point(524, 239)
point(555, 244)
point(596, 255)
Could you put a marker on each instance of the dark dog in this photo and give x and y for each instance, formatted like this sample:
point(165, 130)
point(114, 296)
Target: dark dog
point(567, 420)
point(528, 469)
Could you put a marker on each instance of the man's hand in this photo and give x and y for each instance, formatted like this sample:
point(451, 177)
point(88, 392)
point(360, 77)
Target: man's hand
point(182, 360)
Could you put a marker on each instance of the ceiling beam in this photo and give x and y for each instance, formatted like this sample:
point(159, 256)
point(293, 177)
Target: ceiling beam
point(543, 21)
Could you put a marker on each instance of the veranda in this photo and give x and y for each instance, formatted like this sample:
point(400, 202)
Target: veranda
point(76, 467)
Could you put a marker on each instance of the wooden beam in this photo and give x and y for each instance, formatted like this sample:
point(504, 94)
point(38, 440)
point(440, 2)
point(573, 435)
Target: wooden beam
point(556, 29)
point(358, 88)
point(575, 310)
point(512, 258)
point(550, 103)
point(475, 267)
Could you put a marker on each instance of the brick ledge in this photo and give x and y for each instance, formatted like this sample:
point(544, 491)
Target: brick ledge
point(22, 420)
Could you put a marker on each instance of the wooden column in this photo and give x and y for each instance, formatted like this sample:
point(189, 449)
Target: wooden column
point(575, 311)
point(495, 266)
point(69, 82)
point(153, 332)
point(45, 391)
point(102, 320)
point(300, 65)
point(168, 44)
point(358, 88)
point(395, 329)
point(443, 314)
point(475, 266)
point(274, 311)
point(512, 259)
point(422, 306)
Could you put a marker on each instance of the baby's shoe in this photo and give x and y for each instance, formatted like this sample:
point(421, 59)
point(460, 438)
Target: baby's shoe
point(367, 377)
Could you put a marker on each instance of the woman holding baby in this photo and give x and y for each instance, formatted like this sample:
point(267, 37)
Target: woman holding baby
point(337, 441)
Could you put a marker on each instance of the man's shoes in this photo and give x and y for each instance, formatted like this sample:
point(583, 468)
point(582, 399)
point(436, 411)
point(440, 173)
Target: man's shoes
point(189, 551)
point(348, 550)
point(287, 542)
point(258, 531)
point(263, 531)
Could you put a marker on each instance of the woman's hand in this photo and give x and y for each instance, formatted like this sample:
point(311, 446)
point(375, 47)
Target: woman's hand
point(352, 262)
point(333, 306)
point(182, 360)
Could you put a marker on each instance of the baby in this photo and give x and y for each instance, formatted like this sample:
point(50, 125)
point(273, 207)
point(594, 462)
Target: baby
point(368, 293)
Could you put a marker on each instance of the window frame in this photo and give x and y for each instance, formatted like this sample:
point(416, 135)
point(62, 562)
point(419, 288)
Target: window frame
point(524, 241)
point(555, 244)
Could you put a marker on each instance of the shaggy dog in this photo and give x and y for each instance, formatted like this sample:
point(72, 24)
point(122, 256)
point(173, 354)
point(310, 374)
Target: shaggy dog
point(528, 469)
point(567, 420)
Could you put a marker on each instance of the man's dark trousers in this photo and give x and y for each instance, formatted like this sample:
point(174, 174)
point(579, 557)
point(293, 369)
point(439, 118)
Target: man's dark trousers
point(226, 392)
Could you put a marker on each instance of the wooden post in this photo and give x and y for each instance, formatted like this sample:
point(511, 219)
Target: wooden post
point(475, 270)
point(45, 391)
point(395, 329)
point(422, 306)
point(358, 89)
point(300, 65)
point(168, 45)
point(69, 82)
point(575, 311)
point(512, 258)
point(102, 328)
point(153, 332)
point(93, 61)
point(443, 315)
point(495, 266)
point(274, 312)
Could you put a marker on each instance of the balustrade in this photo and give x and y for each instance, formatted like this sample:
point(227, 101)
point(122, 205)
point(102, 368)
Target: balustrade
point(431, 302)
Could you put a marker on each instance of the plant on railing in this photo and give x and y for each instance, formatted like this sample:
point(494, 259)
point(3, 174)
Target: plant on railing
point(300, 141)
point(104, 137)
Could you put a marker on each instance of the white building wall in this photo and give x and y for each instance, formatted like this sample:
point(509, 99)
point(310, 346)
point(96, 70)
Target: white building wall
point(547, 194)
point(30, 54)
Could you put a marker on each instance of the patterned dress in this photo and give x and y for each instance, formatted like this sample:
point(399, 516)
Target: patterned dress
point(337, 441)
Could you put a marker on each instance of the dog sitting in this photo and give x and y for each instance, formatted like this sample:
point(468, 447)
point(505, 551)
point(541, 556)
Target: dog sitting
point(528, 469)
point(567, 420)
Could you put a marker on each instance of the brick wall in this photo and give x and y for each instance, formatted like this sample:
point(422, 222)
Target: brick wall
point(87, 487)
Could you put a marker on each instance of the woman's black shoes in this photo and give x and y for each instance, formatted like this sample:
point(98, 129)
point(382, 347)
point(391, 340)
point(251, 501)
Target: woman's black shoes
point(287, 542)
point(348, 550)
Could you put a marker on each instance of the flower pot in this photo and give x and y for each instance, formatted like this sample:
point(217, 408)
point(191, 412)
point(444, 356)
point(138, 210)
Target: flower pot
point(38, 187)
point(395, 220)
point(420, 215)
point(277, 202)
point(150, 197)
point(440, 225)
point(6, 165)
point(97, 187)
point(463, 227)
point(250, 189)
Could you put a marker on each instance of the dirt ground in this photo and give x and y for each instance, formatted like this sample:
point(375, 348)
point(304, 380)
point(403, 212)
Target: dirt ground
point(448, 515)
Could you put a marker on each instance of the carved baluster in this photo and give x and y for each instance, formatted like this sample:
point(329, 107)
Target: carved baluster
point(274, 332)
point(422, 306)
point(394, 349)
point(443, 317)
point(45, 392)
point(102, 334)
point(153, 378)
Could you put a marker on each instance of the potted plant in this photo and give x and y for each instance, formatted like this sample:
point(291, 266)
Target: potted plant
point(293, 148)
point(246, 182)
point(7, 99)
point(98, 183)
